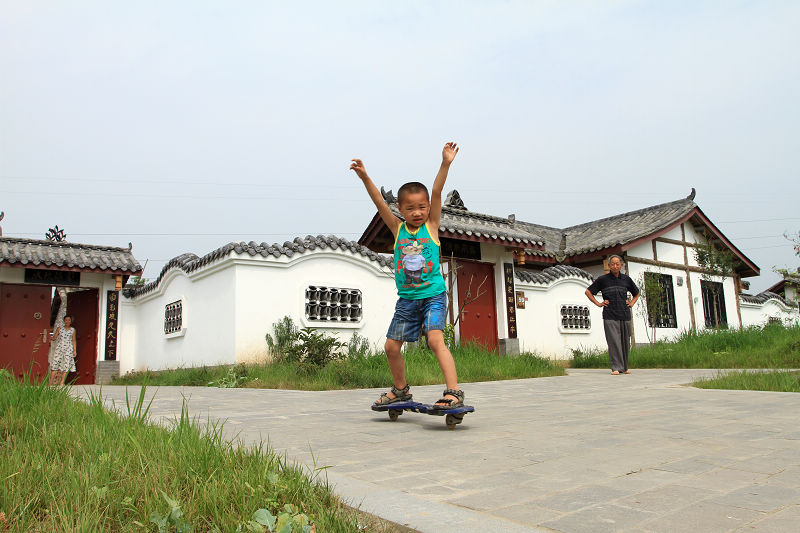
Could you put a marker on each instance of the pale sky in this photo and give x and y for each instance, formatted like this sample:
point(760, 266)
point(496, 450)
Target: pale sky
point(182, 126)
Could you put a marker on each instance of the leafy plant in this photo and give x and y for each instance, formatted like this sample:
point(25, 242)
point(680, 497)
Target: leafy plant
point(314, 349)
point(235, 376)
point(291, 520)
point(173, 517)
point(358, 346)
point(286, 336)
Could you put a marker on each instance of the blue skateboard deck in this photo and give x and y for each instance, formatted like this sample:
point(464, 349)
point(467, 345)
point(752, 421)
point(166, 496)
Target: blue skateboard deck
point(453, 416)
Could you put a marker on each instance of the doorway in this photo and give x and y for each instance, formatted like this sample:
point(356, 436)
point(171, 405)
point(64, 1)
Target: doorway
point(476, 294)
point(24, 319)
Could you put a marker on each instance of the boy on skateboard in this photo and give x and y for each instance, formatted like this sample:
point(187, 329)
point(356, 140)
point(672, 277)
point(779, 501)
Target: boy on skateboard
point(421, 290)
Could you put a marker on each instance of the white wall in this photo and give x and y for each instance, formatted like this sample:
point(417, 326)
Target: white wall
point(208, 319)
point(266, 291)
point(540, 320)
point(229, 307)
point(759, 314)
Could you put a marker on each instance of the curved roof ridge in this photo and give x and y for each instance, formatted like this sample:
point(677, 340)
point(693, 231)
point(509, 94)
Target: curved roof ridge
point(763, 296)
point(189, 262)
point(689, 204)
point(551, 274)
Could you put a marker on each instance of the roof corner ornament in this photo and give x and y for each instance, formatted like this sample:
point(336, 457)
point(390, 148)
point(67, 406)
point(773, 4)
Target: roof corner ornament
point(2, 214)
point(454, 201)
point(388, 197)
point(512, 218)
point(691, 195)
point(130, 246)
point(561, 254)
point(56, 235)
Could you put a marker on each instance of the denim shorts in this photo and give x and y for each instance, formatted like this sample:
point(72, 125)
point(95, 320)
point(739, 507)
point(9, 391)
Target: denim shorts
point(411, 315)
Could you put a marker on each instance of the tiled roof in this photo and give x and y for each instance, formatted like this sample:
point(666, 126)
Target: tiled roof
point(458, 221)
point(189, 262)
point(547, 241)
point(34, 253)
point(624, 228)
point(762, 297)
point(551, 274)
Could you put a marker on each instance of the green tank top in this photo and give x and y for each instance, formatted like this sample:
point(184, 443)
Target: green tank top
point(417, 273)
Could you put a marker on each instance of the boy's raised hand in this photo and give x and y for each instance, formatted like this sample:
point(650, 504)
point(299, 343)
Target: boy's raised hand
point(358, 167)
point(449, 152)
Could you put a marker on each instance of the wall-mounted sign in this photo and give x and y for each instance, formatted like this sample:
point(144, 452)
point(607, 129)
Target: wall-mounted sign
point(521, 300)
point(52, 277)
point(112, 313)
point(511, 309)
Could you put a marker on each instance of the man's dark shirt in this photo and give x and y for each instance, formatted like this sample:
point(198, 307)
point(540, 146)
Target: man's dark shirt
point(615, 290)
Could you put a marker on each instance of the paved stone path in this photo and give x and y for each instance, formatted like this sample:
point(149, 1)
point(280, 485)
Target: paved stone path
point(588, 452)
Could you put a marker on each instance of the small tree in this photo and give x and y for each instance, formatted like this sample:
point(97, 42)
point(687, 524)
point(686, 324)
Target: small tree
point(791, 278)
point(717, 265)
point(652, 295)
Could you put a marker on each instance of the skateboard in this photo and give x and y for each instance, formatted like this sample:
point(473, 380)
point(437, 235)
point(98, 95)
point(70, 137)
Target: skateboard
point(452, 418)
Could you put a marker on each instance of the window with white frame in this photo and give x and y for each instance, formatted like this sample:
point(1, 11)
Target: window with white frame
point(173, 317)
point(333, 304)
point(575, 318)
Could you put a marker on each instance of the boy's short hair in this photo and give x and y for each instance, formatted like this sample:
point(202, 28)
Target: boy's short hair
point(410, 188)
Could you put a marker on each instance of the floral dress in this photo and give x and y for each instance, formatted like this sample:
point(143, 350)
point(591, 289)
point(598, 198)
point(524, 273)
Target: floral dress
point(62, 355)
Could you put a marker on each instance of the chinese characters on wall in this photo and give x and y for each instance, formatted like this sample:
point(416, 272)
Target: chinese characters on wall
point(510, 300)
point(112, 311)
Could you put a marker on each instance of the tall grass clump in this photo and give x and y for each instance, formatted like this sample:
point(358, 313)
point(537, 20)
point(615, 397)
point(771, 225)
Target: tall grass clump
point(73, 466)
point(772, 346)
point(778, 381)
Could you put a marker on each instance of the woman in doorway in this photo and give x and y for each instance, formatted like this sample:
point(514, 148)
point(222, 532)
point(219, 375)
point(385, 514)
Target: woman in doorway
point(64, 353)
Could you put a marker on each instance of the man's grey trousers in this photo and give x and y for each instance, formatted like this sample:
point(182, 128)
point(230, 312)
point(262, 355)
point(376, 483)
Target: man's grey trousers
point(618, 336)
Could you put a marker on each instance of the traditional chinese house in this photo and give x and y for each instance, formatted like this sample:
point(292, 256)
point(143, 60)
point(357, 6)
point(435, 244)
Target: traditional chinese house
point(41, 280)
point(514, 286)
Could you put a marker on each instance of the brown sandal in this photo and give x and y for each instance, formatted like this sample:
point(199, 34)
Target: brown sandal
point(400, 395)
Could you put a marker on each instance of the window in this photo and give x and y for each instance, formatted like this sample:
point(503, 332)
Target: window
point(713, 304)
point(173, 317)
point(330, 304)
point(575, 319)
point(660, 300)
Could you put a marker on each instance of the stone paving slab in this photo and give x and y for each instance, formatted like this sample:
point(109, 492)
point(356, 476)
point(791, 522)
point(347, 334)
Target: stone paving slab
point(590, 452)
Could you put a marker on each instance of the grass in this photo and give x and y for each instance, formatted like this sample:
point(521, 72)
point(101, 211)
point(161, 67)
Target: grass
point(774, 346)
point(358, 371)
point(74, 466)
point(779, 381)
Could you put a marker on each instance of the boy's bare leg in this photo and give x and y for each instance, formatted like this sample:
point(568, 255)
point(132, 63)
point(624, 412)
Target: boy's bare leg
point(445, 358)
point(397, 365)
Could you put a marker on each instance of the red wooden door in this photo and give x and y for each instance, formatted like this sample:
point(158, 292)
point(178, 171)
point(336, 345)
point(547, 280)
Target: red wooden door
point(24, 315)
point(478, 322)
point(83, 307)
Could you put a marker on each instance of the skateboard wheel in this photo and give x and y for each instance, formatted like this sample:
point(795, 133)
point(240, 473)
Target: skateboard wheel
point(394, 413)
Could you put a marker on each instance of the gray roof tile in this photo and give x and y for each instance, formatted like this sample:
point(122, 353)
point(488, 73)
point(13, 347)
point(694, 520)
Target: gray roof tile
point(762, 297)
point(34, 253)
point(189, 262)
point(551, 274)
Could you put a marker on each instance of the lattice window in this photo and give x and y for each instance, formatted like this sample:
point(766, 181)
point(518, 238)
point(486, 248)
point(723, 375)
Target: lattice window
point(575, 318)
point(173, 317)
point(713, 304)
point(660, 300)
point(332, 304)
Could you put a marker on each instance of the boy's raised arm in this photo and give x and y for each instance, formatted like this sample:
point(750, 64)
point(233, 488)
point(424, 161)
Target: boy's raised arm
point(448, 155)
point(377, 198)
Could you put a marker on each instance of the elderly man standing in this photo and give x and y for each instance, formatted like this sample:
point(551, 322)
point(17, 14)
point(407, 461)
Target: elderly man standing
point(615, 287)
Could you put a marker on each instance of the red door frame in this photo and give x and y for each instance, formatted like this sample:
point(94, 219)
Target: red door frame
point(24, 315)
point(478, 321)
point(84, 308)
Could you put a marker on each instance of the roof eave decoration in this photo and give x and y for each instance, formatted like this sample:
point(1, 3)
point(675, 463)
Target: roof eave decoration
point(67, 256)
point(190, 262)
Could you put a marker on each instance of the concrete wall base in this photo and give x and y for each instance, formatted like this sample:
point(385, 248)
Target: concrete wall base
point(106, 371)
point(508, 346)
